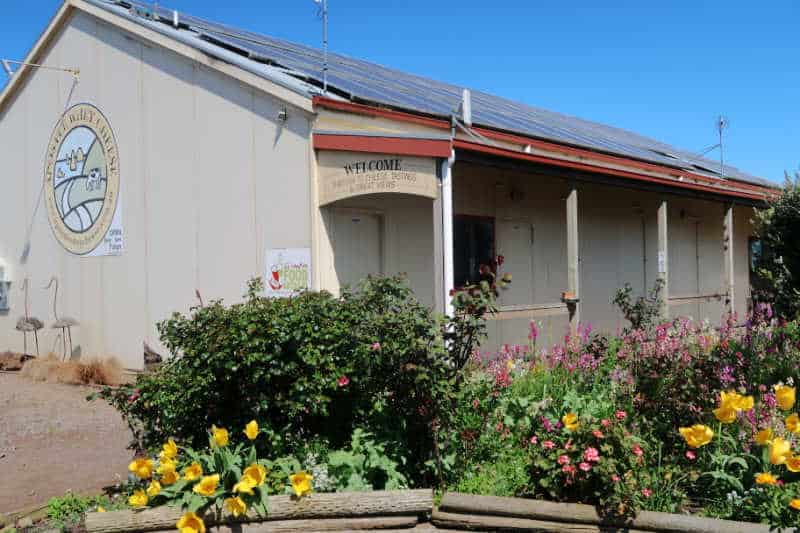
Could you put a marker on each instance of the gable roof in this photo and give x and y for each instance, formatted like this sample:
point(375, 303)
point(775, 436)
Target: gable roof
point(298, 68)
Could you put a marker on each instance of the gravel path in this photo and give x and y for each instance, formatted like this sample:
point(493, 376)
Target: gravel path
point(53, 440)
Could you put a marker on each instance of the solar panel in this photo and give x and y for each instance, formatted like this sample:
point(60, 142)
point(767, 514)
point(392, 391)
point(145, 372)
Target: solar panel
point(367, 82)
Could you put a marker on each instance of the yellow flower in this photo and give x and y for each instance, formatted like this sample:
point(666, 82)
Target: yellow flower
point(793, 423)
point(257, 473)
point(570, 421)
point(165, 466)
point(153, 489)
point(138, 498)
point(245, 485)
point(251, 430)
point(793, 463)
point(207, 486)
point(779, 451)
point(220, 436)
point(301, 483)
point(191, 523)
point(744, 403)
point(725, 414)
point(764, 436)
point(169, 450)
point(785, 396)
point(101, 509)
point(731, 403)
point(169, 477)
point(697, 435)
point(795, 504)
point(765, 478)
point(193, 471)
point(236, 506)
point(143, 468)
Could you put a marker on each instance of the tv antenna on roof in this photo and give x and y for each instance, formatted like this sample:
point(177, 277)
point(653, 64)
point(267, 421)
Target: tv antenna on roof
point(722, 125)
point(323, 13)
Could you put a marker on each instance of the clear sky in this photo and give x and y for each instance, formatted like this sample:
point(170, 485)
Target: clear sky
point(663, 69)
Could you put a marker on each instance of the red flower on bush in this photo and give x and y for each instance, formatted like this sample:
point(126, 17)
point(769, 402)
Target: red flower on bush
point(591, 454)
point(344, 381)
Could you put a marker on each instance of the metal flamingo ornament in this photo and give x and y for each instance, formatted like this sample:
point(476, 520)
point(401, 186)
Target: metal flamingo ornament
point(64, 323)
point(28, 324)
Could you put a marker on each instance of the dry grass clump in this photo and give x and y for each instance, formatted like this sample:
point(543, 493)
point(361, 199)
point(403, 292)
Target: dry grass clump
point(92, 372)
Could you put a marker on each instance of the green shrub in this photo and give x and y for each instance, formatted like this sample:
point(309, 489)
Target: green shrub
point(365, 465)
point(67, 511)
point(778, 266)
point(311, 368)
point(505, 475)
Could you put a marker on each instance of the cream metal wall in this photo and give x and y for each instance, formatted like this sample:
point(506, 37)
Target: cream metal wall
point(210, 179)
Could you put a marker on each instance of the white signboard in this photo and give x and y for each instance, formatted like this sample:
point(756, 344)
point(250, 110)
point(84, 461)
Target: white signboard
point(288, 271)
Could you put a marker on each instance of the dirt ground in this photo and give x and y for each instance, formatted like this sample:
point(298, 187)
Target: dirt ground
point(53, 440)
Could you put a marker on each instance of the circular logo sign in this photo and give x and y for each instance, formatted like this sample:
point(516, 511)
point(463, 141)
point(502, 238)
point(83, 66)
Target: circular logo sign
point(81, 179)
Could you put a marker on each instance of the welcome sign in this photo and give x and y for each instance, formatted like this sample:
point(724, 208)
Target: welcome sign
point(349, 174)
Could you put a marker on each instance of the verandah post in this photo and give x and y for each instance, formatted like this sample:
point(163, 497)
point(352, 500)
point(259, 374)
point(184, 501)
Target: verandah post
point(727, 247)
point(663, 256)
point(573, 258)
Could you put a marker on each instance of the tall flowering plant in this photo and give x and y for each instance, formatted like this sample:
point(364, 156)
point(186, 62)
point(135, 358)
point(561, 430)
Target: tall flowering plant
point(752, 455)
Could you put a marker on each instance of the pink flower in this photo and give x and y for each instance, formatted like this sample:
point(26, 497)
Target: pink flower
point(375, 346)
point(585, 467)
point(691, 455)
point(637, 450)
point(344, 381)
point(647, 493)
point(568, 469)
point(563, 460)
point(615, 478)
point(621, 415)
point(605, 423)
point(548, 445)
point(475, 403)
point(534, 439)
point(598, 434)
point(591, 455)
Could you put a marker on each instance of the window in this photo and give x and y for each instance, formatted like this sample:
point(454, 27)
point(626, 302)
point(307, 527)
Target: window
point(755, 250)
point(473, 243)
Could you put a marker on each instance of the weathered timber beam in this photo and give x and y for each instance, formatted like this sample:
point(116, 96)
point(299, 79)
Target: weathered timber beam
point(385, 524)
point(578, 514)
point(335, 505)
point(475, 522)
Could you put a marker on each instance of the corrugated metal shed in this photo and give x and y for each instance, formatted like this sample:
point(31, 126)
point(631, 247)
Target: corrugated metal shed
point(365, 82)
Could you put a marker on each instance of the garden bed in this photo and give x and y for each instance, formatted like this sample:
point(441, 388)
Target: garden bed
point(414, 510)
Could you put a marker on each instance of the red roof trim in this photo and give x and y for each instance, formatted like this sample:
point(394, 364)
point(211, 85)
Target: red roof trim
point(383, 145)
point(476, 147)
point(725, 187)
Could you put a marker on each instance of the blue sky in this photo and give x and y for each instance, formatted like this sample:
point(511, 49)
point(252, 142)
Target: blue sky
point(663, 69)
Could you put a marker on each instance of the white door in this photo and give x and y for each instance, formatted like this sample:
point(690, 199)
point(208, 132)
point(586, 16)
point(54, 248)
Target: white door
point(515, 244)
point(357, 245)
